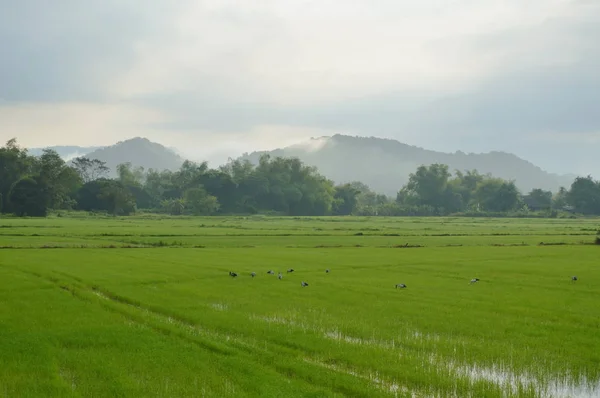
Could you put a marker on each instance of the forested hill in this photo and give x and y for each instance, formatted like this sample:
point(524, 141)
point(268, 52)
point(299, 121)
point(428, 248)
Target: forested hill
point(385, 164)
point(140, 152)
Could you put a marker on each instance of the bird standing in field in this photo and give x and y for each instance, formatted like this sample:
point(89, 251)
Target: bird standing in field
point(232, 274)
point(573, 278)
point(304, 284)
point(474, 280)
point(401, 286)
point(327, 271)
point(290, 270)
point(280, 276)
point(253, 274)
point(270, 272)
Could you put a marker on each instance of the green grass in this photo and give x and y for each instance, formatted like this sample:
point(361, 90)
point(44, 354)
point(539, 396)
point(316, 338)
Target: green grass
point(144, 307)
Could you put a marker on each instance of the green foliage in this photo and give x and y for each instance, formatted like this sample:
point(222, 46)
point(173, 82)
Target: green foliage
point(106, 195)
point(496, 195)
point(14, 165)
point(584, 195)
point(30, 197)
point(560, 199)
point(429, 185)
point(538, 199)
point(130, 176)
point(279, 185)
point(199, 202)
point(174, 207)
point(345, 199)
point(90, 169)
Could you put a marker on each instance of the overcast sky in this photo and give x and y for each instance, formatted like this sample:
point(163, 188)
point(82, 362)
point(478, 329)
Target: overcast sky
point(219, 77)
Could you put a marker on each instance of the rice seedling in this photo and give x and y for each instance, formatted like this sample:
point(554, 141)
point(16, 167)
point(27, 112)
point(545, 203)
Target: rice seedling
point(167, 319)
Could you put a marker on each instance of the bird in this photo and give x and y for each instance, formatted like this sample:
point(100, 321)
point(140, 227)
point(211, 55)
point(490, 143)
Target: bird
point(232, 274)
point(270, 272)
point(253, 274)
point(474, 280)
point(290, 270)
point(327, 271)
point(401, 286)
point(304, 284)
point(573, 278)
point(280, 276)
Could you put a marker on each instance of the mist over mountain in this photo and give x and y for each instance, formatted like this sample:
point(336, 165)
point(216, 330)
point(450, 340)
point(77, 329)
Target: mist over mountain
point(140, 152)
point(66, 152)
point(385, 164)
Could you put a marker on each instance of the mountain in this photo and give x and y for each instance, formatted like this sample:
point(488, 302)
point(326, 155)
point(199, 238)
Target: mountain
point(65, 152)
point(139, 152)
point(385, 164)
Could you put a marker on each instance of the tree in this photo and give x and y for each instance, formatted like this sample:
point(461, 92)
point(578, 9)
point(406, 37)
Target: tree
point(559, 200)
point(428, 185)
point(129, 175)
point(61, 180)
point(345, 199)
point(538, 199)
point(584, 195)
point(220, 184)
point(90, 169)
point(199, 202)
point(465, 185)
point(30, 197)
point(175, 207)
point(14, 165)
point(496, 195)
point(368, 201)
point(106, 195)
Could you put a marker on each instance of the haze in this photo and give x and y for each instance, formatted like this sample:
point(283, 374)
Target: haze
point(217, 78)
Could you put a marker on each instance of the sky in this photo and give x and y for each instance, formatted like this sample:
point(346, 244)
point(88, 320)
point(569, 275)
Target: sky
point(215, 78)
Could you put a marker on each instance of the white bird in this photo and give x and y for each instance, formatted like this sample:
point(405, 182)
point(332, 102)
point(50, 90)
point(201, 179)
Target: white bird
point(280, 276)
point(474, 280)
point(270, 272)
point(304, 284)
point(401, 286)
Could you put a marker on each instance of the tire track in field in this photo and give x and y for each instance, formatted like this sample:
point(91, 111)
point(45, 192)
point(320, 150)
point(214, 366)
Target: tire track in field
point(173, 326)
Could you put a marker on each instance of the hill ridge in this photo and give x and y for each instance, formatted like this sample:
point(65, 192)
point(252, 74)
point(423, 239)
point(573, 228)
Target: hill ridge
point(385, 164)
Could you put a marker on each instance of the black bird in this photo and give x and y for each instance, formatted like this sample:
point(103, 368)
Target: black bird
point(401, 286)
point(573, 278)
point(304, 284)
point(326, 271)
point(232, 274)
point(280, 276)
point(253, 274)
point(290, 270)
point(271, 272)
point(474, 280)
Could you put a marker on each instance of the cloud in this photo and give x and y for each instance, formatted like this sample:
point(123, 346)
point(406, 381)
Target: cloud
point(69, 50)
point(501, 74)
point(46, 124)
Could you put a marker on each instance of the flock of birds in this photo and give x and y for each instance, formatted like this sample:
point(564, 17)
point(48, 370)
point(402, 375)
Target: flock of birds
point(271, 272)
point(304, 284)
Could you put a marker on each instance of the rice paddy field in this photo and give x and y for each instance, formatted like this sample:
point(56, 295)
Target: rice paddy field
point(145, 307)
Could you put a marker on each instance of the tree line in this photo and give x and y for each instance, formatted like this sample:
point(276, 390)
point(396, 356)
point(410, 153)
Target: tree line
point(33, 186)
